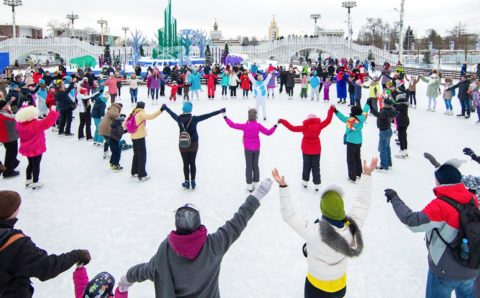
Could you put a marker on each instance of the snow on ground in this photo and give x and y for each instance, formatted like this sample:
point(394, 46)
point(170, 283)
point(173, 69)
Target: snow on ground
point(122, 222)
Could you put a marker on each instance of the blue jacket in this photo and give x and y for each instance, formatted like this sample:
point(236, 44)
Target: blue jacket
point(353, 131)
point(99, 106)
point(194, 81)
point(314, 82)
point(192, 127)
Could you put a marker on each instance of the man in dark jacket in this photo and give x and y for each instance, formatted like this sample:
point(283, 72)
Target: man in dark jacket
point(187, 263)
point(384, 123)
point(463, 95)
point(9, 138)
point(440, 222)
point(21, 259)
point(403, 121)
point(65, 108)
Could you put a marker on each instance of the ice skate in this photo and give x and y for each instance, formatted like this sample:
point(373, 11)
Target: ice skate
point(305, 184)
point(36, 185)
point(250, 187)
point(143, 179)
point(28, 182)
point(186, 184)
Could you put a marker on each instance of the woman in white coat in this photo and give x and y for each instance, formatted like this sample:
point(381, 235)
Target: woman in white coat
point(331, 239)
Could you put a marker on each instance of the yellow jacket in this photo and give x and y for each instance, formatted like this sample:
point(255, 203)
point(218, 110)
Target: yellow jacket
point(140, 118)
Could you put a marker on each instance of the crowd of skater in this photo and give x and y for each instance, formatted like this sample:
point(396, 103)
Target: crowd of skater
point(38, 101)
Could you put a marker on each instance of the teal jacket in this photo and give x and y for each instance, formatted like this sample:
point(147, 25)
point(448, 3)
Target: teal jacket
point(354, 125)
point(194, 81)
point(225, 81)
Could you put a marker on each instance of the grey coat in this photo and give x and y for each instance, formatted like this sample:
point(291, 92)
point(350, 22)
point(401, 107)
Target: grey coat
point(176, 276)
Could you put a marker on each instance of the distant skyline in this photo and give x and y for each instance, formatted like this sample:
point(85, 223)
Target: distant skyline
point(249, 18)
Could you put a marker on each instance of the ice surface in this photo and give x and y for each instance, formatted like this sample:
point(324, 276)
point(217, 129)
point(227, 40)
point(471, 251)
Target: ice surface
point(122, 222)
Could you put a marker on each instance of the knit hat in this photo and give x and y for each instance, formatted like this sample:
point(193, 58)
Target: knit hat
point(101, 286)
point(187, 107)
point(448, 173)
point(356, 111)
point(187, 219)
point(3, 103)
point(42, 81)
point(388, 102)
point(9, 203)
point(252, 115)
point(140, 105)
point(331, 203)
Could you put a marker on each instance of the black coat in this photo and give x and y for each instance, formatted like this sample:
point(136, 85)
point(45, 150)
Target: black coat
point(63, 100)
point(290, 81)
point(384, 117)
point(462, 89)
point(22, 260)
point(402, 108)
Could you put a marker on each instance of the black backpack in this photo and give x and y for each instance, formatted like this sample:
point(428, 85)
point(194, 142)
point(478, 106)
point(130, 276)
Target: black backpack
point(469, 228)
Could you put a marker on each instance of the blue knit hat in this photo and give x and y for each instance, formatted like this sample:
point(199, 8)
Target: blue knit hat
point(42, 81)
point(448, 174)
point(187, 107)
point(100, 286)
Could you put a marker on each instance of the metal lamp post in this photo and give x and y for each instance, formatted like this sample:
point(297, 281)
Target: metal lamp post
point(72, 17)
point(349, 5)
point(101, 22)
point(125, 29)
point(315, 17)
point(13, 4)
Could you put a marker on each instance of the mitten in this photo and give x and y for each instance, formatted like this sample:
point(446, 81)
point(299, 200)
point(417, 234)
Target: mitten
point(223, 110)
point(164, 106)
point(469, 152)
point(390, 194)
point(262, 189)
point(83, 256)
point(123, 284)
point(431, 159)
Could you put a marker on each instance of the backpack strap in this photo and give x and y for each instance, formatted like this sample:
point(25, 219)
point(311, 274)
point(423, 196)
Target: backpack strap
point(11, 240)
point(184, 128)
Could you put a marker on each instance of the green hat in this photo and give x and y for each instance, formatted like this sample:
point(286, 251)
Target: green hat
point(331, 203)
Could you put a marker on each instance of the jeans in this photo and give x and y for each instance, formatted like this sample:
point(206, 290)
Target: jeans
point(33, 168)
point(465, 107)
point(384, 148)
point(133, 95)
point(311, 163)
point(96, 137)
point(252, 171)
point(139, 158)
point(224, 90)
point(438, 287)
point(351, 96)
point(11, 161)
point(412, 97)
point(189, 166)
point(65, 122)
point(245, 92)
point(154, 93)
point(233, 91)
point(478, 113)
point(354, 161)
point(116, 152)
point(448, 104)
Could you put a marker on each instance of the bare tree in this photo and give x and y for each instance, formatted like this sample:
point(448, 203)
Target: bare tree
point(56, 28)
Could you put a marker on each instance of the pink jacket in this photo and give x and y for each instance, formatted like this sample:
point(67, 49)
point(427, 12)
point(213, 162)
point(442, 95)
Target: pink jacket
point(112, 85)
point(251, 131)
point(32, 135)
point(80, 280)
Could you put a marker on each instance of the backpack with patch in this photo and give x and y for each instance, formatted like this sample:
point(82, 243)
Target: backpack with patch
point(132, 126)
point(469, 215)
point(185, 140)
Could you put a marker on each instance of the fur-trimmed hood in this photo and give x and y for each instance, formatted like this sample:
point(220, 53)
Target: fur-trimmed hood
point(335, 241)
point(27, 114)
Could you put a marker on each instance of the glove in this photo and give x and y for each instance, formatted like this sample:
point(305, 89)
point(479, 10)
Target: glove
point(123, 284)
point(262, 189)
point(431, 159)
point(390, 194)
point(223, 110)
point(163, 107)
point(469, 152)
point(53, 108)
point(83, 256)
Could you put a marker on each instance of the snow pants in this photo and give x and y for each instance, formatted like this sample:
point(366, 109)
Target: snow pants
point(311, 163)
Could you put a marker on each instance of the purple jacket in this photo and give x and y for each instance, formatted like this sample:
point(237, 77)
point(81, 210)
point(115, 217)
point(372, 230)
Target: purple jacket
point(251, 131)
point(273, 80)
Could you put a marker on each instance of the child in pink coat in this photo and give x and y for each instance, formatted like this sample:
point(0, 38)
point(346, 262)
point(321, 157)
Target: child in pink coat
point(101, 286)
point(251, 142)
point(31, 132)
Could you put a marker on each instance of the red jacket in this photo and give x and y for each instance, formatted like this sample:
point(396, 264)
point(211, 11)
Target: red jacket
point(174, 89)
point(8, 129)
point(210, 79)
point(50, 101)
point(245, 82)
point(37, 77)
point(311, 130)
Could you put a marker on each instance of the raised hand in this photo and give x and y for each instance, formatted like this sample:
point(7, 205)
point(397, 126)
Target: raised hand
point(390, 194)
point(280, 179)
point(468, 151)
point(262, 189)
point(431, 159)
point(163, 107)
point(368, 169)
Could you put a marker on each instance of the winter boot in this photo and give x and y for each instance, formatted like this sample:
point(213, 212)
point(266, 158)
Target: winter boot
point(194, 184)
point(186, 184)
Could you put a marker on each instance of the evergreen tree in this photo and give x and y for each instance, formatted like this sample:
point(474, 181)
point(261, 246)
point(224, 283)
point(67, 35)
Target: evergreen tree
point(106, 55)
point(370, 56)
point(208, 55)
point(142, 53)
point(427, 58)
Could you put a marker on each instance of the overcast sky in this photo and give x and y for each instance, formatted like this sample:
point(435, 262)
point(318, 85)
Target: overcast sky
point(246, 17)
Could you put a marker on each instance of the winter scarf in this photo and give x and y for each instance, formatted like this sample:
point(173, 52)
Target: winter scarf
point(336, 242)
